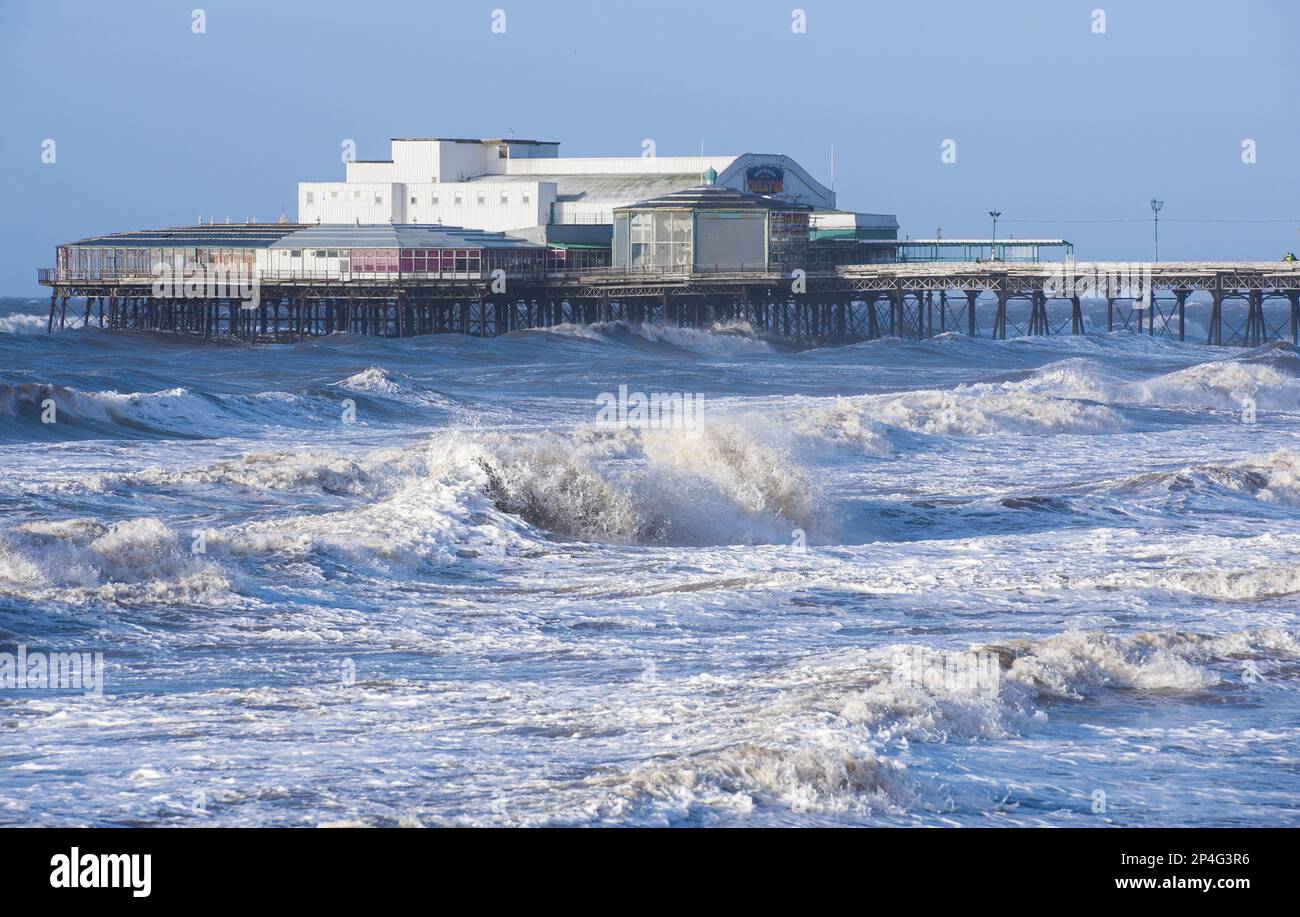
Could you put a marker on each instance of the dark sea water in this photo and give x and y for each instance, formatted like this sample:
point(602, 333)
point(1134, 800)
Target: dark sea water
point(420, 582)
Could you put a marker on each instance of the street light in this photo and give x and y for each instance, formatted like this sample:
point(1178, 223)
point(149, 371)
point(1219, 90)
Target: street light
point(1155, 221)
point(995, 214)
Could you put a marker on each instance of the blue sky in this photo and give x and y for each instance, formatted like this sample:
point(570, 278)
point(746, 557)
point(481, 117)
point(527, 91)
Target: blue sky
point(155, 125)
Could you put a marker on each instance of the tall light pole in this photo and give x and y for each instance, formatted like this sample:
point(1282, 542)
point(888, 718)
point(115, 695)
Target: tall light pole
point(1155, 224)
point(992, 245)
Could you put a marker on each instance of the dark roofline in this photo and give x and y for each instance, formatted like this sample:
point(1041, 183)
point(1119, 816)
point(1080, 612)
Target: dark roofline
point(202, 235)
point(398, 235)
point(713, 196)
point(483, 140)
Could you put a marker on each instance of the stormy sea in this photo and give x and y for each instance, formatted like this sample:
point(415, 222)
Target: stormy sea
point(425, 581)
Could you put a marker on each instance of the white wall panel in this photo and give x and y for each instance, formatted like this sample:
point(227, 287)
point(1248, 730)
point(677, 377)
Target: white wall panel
point(340, 202)
point(458, 204)
point(370, 171)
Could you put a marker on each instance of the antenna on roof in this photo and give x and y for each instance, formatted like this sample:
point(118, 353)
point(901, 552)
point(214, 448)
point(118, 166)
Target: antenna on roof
point(284, 217)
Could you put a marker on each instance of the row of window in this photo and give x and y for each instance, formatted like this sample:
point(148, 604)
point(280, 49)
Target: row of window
point(429, 261)
point(334, 195)
point(379, 261)
point(480, 198)
point(576, 259)
point(142, 260)
point(458, 198)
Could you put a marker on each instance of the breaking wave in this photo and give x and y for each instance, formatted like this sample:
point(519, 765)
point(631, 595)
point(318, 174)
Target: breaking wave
point(1274, 479)
point(181, 412)
point(832, 737)
point(1273, 385)
point(1270, 378)
point(133, 561)
point(735, 338)
point(395, 386)
point(715, 485)
point(170, 412)
point(980, 411)
point(20, 323)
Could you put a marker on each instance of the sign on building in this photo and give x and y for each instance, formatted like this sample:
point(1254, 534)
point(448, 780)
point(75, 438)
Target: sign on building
point(765, 179)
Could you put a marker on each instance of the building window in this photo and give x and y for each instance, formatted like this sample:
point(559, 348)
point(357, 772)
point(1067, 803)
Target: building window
point(458, 199)
point(660, 239)
point(482, 198)
point(379, 198)
point(526, 197)
point(412, 198)
point(433, 199)
point(504, 198)
point(503, 151)
point(311, 197)
point(296, 253)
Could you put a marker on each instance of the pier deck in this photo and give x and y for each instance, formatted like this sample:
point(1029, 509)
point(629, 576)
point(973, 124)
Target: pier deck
point(1243, 303)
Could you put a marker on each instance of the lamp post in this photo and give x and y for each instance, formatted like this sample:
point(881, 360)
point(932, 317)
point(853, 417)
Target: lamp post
point(993, 244)
point(1155, 224)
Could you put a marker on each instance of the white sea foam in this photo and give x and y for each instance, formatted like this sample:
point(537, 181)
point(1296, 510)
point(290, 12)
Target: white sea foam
point(1224, 385)
point(842, 421)
point(831, 739)
point(979, 411)
point(21, 323)
point(386, 384)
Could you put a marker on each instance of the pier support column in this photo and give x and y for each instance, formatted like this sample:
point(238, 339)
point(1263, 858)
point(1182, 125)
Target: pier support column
point(1076, 316)
point(1254, 334)
point(1182, 313)
point(971, 297)
point(1215, 333)
point(1038, 313)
